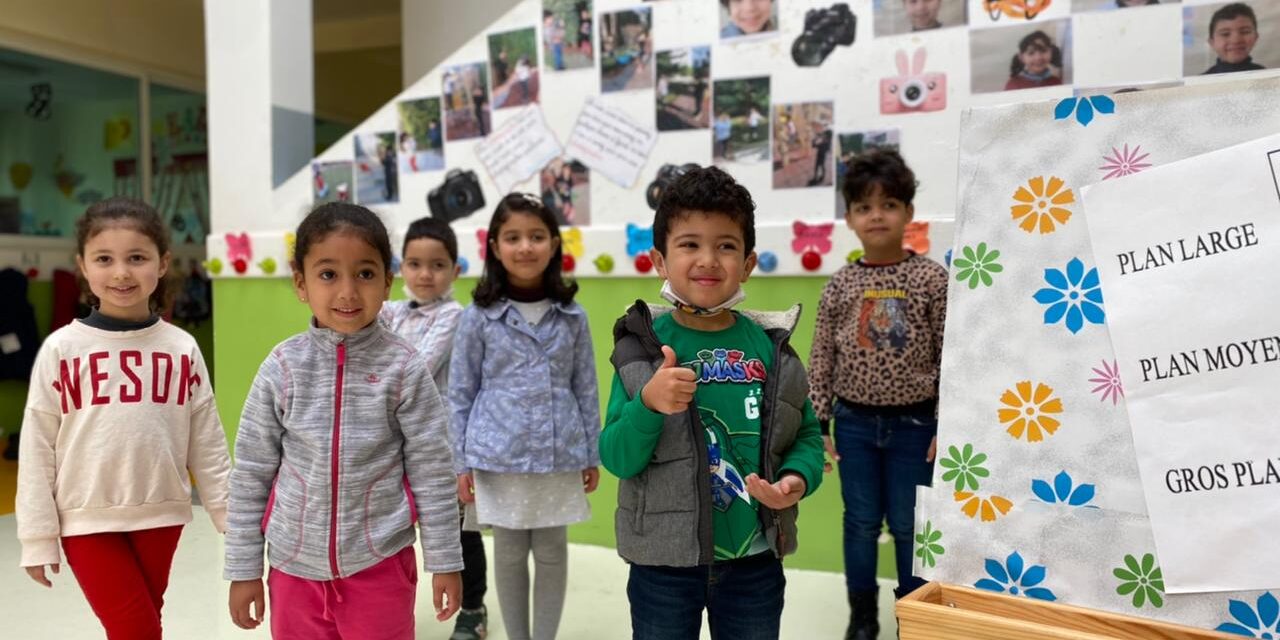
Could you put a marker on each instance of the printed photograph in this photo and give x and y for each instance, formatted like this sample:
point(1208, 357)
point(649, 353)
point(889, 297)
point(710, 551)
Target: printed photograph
point(626, 50)
point(896, 17)
point(421, 137)
point(1080, 6)
point(854, 143)
point(1229, 37)
point(377, 173)
point(741, 125)
point(513, 66)
point(466, 102)
point(684, 89)
point(802, 141)
point(566, 191)
point(1027, 56)
point(567, 35)
point(747, 18)
point(331, 181)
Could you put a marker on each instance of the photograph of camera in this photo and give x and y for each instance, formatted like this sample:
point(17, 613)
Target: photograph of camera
point(666, 175)
point(913, 90)
point(824, 30)
point(458, 197)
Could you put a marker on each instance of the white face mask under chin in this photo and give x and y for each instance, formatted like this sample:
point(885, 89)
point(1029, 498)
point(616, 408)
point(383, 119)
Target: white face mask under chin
point(410, 295)
point(670, 295)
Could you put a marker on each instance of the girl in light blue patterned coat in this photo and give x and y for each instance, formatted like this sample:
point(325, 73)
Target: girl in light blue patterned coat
point(526, 411)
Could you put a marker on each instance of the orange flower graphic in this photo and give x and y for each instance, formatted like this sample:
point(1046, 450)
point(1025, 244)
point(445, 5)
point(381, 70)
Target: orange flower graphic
point(1027, 411)
point(989, 508)
point(1041, 205)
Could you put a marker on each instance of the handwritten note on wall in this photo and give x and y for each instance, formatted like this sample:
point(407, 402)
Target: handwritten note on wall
point(518, 149)
point(610, 142)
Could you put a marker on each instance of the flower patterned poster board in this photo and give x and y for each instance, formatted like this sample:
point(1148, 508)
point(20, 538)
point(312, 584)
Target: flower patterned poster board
point(1189, 255)
point(1036, 492)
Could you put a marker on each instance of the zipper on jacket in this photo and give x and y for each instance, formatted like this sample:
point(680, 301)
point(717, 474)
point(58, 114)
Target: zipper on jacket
point(766, 452)
point(333, 474)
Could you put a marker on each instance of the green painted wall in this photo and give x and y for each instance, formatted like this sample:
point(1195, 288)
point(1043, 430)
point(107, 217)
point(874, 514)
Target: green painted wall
point(252, 315)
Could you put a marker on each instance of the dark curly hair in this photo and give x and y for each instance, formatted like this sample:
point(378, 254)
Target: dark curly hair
point(879, 167)
point(119, 211)
point(493, 281)
point(710, 190)
point(435, 229)
point(1035, 39)
point(332, 217)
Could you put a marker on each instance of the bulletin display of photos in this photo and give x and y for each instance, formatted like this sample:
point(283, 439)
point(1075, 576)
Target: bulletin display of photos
point(466, 101)
point(802, 141)
point(376, 169)
point(567, 34)
point(513, 68)
point(626, 50)
point(420, 141)
point(851, 144)
point(741, 125)
point(683, 92)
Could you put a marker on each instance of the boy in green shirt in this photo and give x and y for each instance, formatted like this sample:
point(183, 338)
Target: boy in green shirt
point(709, 427)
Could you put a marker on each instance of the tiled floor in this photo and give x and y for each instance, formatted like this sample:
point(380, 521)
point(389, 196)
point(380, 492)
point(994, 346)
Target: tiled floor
point(196, 605)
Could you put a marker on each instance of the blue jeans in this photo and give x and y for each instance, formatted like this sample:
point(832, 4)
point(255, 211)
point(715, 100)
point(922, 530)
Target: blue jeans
point(743, 599)
point(882, 460)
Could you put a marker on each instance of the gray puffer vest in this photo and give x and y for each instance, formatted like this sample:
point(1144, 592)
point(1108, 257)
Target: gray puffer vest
point(664, 512)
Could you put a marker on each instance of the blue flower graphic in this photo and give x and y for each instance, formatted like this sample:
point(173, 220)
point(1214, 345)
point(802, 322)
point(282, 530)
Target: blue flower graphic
point(1063, 491)
point(1083, 108)
point(1010, 577)
point(1074, 295)
point(1259, 623)
point(639, 239)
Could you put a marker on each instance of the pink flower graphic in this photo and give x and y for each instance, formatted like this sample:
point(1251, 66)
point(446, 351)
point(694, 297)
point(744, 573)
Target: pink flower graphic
point(1122, 163)
point(1108, 382)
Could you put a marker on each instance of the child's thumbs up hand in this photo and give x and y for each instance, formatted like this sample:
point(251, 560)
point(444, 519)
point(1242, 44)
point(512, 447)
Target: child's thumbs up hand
point(671, 389)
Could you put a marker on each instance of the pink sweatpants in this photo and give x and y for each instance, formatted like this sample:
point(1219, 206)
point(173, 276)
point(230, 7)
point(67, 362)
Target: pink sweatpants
point(376, 603)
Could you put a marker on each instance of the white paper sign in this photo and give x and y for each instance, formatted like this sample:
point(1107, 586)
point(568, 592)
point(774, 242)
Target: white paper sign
point(1189, 258)
point(609, 141)
point(518, 149)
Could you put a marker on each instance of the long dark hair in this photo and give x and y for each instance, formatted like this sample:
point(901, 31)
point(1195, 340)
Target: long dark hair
point(132, 214)
point(332, 217)
point(1035, 38)
point(493, 284)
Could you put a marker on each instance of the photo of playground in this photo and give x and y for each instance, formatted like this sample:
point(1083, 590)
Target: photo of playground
point(626, 51)
point(741, 129)
point(421, 137)
point(566, 190)
point(802, 140)
point(513, 63)
point(466, 102)
point(377, 176)
point(683, 96)
point(567, 35)
point(331, 181)
point(854, 143)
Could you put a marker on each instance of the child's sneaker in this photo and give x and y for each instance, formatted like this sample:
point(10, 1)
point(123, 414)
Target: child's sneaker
point(471, 625)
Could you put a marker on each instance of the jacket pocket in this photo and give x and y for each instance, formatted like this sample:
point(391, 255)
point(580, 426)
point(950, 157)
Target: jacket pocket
point(387, 511)
point(285, 516)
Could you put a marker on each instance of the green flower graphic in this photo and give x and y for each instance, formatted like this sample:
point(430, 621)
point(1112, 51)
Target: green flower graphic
point(977, 266)
point(929, 547)
point(964, 467)
point(1145, 582)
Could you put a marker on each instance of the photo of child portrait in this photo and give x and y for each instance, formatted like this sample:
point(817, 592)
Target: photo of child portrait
point(565, 187)
point(421, 138)
point(895, 17)
point(740, 131)
point(1027, 56)
point(377, 175)
point(513, 64)
point(802, 141)
point(684, 89)
point(466, 101)
point(742, 18)
point(331, 181)
point(567, 34)
point(1080, 6)
point(626, 50)
point(853, 143)
point(1227, 37)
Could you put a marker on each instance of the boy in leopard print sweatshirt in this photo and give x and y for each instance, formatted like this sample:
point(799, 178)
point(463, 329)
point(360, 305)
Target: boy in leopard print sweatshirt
point(874, 368)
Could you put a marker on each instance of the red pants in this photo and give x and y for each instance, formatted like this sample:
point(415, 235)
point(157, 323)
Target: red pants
point(124, 575)
point(375, 603)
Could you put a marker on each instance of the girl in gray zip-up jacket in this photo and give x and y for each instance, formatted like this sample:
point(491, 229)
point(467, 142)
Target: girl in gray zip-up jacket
point(342, 448)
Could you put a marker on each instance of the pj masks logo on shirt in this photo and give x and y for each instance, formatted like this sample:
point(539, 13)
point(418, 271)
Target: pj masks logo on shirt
point(726, 365)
